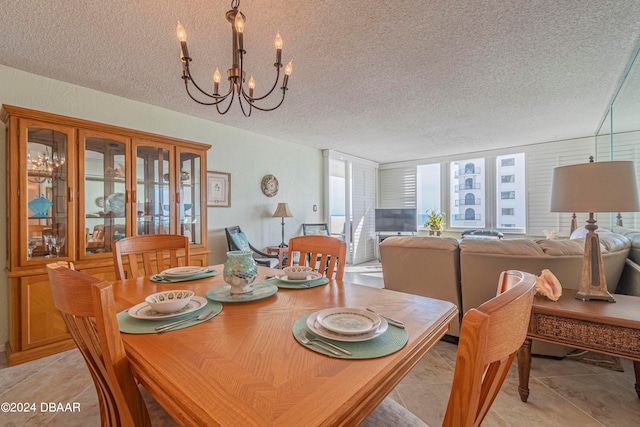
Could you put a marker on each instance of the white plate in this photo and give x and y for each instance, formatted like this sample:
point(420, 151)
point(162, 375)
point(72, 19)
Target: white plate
point(183, 271)
point(317, 329)
point(145, 312)
point(348, 321)
point(313, 275)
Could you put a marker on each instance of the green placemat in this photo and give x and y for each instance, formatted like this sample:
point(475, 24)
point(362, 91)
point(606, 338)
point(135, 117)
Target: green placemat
point(164, 279)
point(302, 285)
point(131, 325)
point(389, 342)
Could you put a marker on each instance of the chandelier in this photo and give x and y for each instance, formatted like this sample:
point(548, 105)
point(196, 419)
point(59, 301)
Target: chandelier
point(44, 162)
point(235, 74)
point(43, 165)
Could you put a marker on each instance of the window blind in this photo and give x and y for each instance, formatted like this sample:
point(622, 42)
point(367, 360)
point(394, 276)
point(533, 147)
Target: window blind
point(363, 207)
point(398, 188)
point(626, 146)
point(541, 160)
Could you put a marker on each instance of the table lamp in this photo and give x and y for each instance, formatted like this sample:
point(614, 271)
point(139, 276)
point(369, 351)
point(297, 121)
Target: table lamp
point(594, 187)
point(282, 211)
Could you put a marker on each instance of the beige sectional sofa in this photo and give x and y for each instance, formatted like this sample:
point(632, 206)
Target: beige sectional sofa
point(427, 266)
point(630, 279)
point(467, 273)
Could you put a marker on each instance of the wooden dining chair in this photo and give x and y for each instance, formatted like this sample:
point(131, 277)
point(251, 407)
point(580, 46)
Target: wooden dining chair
point(88, 309)
point(324, 254)
point(151, 250)
point(489, 339)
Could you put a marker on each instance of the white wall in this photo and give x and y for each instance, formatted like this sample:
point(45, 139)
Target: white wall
point(247, 156)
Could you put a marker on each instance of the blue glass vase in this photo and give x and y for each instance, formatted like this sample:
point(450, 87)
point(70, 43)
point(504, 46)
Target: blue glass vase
point(39, 206)
point(240, 271)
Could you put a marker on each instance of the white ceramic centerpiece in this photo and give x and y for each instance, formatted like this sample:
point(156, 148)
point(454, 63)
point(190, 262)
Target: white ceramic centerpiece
point(240, 271)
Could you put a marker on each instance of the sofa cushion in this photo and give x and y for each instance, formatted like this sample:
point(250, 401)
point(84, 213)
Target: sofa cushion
point(512, 247)
point(634, 237)
point(581, 232)
point(613, 242)
point(420, 242)
point(562, 247)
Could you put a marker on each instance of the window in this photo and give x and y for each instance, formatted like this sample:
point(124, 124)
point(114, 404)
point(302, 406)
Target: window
point(511, 208)
point(470, 215)
point(428, 191)
point(472, 192)
point(468, 183)
point(467, 193)
point(507, 195)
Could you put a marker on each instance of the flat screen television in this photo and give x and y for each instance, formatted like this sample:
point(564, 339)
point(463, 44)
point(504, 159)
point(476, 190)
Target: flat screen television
point(396, 220)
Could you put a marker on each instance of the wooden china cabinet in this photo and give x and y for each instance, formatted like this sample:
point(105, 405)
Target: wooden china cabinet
point(74, 187)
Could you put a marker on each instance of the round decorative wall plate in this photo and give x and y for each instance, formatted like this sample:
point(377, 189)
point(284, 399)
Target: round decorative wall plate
point(269, 185)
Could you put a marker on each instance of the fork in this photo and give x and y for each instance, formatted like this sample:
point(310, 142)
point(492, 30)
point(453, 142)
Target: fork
point(314, 338)
point(306, 341)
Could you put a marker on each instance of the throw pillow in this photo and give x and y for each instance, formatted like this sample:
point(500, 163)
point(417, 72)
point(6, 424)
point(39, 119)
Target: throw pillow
point(241, 241)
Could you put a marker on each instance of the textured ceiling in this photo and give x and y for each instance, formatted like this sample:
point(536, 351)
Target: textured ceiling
point(380, 80)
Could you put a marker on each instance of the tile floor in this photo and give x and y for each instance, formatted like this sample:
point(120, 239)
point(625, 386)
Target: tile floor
point(563, 392)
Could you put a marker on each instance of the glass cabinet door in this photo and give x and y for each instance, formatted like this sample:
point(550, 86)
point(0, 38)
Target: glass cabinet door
point(189, 203)
point(103, 184)
point(154, 188)
point(47, 183)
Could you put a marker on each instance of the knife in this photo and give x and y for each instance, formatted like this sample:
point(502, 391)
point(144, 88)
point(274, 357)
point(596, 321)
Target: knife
point(393, 322)
point(168, 326)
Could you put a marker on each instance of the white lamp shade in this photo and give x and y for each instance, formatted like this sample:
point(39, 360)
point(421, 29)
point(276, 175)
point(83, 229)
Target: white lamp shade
point(282, 211)
point(595, 187)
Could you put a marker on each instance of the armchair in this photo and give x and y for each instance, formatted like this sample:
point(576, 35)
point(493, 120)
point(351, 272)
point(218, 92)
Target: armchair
point(315, 229)
point(238, 241)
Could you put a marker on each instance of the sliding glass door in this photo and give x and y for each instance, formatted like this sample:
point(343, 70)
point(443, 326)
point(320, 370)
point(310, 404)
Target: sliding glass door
point(351, 203)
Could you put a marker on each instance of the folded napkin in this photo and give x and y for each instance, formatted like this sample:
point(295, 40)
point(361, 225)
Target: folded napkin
point(300, 285)
point(165, 279)
point(131, 325)
point(389, 342)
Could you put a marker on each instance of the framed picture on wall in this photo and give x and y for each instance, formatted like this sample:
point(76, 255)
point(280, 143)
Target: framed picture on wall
point(219, 189)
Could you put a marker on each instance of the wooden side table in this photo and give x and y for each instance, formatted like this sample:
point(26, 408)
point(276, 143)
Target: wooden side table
point(600, 326)
point(278, 250)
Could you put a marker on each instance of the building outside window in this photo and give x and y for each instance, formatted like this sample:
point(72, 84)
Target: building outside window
point(467, 193)
point(511, 208)
point(507, 195)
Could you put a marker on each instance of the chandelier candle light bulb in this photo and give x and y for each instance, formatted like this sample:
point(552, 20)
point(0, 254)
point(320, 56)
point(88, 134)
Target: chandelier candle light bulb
point(252, 85)
point(216, 81)
point(278, 44)
point(182, 36)
point(239, 24)
point(235, 74)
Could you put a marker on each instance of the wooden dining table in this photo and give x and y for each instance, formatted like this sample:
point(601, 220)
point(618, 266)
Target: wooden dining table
point(244, 367)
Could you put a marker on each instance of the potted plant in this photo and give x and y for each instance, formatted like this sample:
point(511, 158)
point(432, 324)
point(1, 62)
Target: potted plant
point(434, 222)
